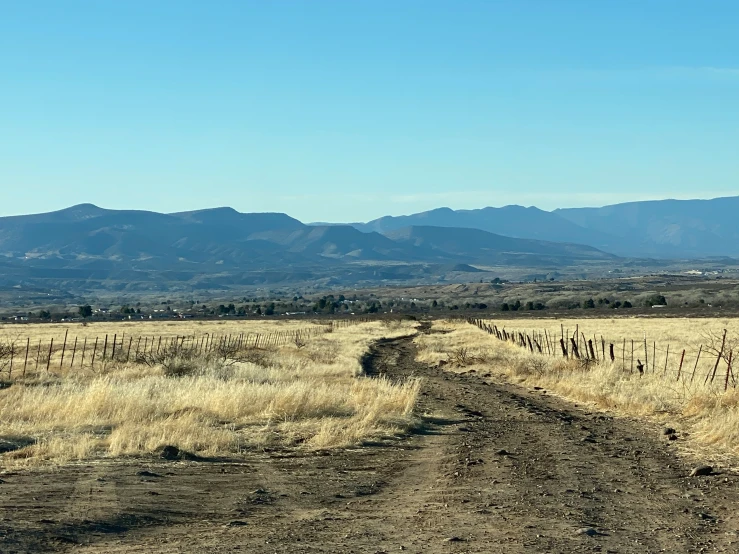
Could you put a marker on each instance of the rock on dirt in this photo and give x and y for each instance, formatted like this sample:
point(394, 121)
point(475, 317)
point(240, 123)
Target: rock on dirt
point(170, 452)
point(10, 444)
point(701, 470)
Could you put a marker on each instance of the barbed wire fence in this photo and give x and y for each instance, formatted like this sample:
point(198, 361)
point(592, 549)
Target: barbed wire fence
point(711, 362)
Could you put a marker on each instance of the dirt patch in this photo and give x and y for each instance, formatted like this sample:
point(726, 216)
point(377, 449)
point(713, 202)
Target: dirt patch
point(493, 468)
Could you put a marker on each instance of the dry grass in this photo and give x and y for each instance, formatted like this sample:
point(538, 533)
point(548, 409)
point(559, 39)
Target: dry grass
point(40, 338)
point(704, 412)
point(313, 395)
point(679, 332)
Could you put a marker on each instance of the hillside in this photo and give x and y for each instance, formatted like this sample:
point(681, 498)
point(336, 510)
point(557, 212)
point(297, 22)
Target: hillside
point(481, 247)
point(665, 228)
point(87, 246)
point(510, 221)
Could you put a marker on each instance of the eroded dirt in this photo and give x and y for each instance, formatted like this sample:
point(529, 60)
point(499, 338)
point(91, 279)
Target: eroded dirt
point(493, 468)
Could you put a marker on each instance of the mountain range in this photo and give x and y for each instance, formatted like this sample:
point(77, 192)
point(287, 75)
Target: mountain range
point(85, 244)
point(657, 229)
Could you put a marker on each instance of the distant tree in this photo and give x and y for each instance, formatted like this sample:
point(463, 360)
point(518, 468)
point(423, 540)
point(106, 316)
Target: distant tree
point(626, 304)
point(44, 314)
point(85, 311)
point(505, 307)
point(529, 305)
point(655, 300)
point(434, 304)
point(589, 303)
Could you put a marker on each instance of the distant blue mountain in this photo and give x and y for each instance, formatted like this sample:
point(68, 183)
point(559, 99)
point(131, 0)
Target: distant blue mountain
point(665, 228)
point(509, 221)
point(659, 229)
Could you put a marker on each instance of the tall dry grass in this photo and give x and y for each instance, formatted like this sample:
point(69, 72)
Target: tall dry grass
point(65, 348)
point(311, 395)
point(705, 414)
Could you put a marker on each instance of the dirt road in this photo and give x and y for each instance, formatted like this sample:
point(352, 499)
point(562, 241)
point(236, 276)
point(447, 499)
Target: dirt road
point(493, 468)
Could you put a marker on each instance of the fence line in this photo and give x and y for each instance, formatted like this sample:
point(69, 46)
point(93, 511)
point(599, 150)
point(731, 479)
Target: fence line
point(578, 346)
point(120, 348)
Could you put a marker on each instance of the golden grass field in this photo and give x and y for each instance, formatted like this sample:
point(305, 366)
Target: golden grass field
point(65, 348)
point(705, 413)
point(677, 332)
point(310, 394)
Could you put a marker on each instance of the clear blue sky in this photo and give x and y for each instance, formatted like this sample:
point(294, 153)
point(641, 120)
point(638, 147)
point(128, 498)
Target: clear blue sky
point(348, 110)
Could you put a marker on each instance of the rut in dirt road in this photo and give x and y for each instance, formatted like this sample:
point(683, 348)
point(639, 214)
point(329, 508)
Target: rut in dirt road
point(492, 468)
point(526, 472)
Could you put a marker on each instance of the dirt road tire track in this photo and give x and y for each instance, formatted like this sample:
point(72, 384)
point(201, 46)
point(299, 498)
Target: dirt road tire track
point(493, 468)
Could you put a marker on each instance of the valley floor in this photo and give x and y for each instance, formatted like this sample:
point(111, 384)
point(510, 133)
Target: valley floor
point(493, 468)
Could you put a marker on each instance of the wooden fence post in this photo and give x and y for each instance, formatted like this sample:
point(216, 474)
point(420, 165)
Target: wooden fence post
point(84, 347)
point(74, 351)
point(28, 346)
point(667, 357)
point(38, 354)
point(696, 362)
point(64, 347)
point(728, 370)
point(48, 361)
point(718, 358)
point(94, 351)
point(679, 369)
point(575, 350)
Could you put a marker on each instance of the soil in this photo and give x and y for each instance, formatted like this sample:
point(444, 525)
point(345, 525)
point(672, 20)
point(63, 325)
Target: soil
point(492, 467)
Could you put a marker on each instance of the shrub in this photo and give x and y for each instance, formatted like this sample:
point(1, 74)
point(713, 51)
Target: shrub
point(655, 300)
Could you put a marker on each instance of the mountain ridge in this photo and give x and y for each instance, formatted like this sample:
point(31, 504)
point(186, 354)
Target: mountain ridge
point(223, 245)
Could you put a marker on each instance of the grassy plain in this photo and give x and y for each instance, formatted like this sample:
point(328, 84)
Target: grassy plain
point(702, 410)
point(307, 393)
